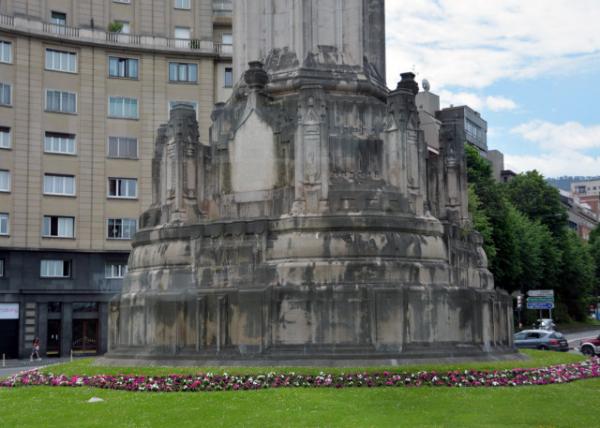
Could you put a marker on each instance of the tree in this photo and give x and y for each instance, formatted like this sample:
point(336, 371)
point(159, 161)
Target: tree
point(481, 223)
point(500, 238)
point(594, 248)
point(534, 197)
point(577, 275)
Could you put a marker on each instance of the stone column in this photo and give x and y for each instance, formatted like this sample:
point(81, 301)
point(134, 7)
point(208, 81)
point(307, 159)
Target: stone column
point(66, 327)
point(42, 326)
point(102, 327)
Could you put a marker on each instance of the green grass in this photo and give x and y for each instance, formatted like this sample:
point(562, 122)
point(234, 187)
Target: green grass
point(536, 359)
point(574, 404)
point(569, 405)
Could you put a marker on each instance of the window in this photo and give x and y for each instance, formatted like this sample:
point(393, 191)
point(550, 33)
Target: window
point(125, 28)
point(85, 307)
point(1, 268)
point(3, 224)
point(122, 147)
point(123, 67)
point(183, 33)
point(55, 269)
point(5, 94)
point(121, 228)
point(123, 107)
point(58, 18)
point(115, 270)
point(473, 129)
point(193, 104)
point(63, 185)
point(55, 142)
point(227, 38)
point(58, 227)
point(122, 188)
point(5, 51)
point(181, 72)
point(61, 61)
point(581, 190)
point(4, 137)
point(61, 101)
point(4, 181)
point(182, 4)
point(228, 77)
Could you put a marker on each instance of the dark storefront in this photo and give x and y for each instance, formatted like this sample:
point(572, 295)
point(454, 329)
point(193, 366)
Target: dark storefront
point(67, 314)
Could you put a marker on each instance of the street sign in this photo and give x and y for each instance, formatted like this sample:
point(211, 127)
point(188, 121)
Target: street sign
point(541, 299)
point(536, 305)
point(540, 293)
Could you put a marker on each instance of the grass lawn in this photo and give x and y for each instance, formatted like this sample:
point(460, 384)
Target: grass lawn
point(574, 404)
point(85, 366)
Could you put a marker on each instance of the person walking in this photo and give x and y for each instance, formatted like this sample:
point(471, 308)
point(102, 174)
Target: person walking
point(35, 349)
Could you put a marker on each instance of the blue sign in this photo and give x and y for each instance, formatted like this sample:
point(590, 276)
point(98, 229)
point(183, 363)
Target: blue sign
point(540, 305)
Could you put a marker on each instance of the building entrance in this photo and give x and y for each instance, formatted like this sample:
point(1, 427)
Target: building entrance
point(85, 336)
point(53, 340)
point(9, 338)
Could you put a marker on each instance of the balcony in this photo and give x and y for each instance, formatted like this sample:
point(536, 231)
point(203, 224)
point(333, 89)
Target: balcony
point(32, 27)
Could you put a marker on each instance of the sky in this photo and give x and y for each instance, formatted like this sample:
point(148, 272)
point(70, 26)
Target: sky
point(530, 67)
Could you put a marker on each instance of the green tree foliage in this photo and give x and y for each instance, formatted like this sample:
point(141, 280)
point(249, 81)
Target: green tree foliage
point(538, 200)
point(594, 249)
point(577, 275)
point(525, 232)
point(481, 223)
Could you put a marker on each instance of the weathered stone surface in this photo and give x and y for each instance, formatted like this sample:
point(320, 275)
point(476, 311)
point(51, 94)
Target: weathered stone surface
point(316, 225)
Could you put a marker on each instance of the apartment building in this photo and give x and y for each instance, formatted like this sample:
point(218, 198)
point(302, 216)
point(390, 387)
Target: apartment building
point(83, 87)
point(588, 193)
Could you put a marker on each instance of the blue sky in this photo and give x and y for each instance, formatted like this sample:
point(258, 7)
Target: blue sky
point(530, 67)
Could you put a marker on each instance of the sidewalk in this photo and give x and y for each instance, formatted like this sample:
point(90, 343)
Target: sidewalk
point(25, 363)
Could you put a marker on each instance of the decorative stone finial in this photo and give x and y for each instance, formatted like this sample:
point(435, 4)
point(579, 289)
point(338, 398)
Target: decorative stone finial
point(182, 109)
point(256, 77)
point(408, 83)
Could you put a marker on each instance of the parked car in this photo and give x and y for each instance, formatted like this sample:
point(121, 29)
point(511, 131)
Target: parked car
point(590, 346)
point(541, 339)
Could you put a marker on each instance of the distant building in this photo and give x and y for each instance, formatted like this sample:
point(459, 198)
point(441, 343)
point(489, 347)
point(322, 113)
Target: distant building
point(581, 218)
point(475, 128)
point(587, 193)
point(428, 104)
point(506, 175)
point(496, 158)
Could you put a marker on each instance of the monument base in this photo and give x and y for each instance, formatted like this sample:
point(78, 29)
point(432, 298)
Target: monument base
point(131, 359)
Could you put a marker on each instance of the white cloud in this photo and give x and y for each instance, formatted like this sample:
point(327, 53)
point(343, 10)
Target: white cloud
point(562, 148)
point(475, 101)
point(555, 164)
point(566, 136)
point(473, 43)
point(497, 103)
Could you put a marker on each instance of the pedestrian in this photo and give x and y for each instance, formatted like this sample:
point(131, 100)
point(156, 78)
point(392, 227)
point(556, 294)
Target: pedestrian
point(35, 349)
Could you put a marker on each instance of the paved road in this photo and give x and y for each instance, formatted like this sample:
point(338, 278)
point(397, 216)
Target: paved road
point(15, 366)
point(574, 338)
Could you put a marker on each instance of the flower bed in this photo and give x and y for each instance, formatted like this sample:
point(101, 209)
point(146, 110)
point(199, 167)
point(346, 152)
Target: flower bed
point(224, 382)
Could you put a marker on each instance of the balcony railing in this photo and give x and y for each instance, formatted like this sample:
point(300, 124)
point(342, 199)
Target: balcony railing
point(9, 21)
point(126, 39)
point(61, 30)
point(224, 49)
point(99, 36)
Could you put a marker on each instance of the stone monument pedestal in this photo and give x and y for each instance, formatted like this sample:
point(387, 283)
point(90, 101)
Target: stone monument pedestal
point(308, 231)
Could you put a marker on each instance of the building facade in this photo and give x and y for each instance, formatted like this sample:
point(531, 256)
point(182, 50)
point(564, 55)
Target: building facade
point(469, 120)
point(83, 87)
point(581, 219)
point(588, 193)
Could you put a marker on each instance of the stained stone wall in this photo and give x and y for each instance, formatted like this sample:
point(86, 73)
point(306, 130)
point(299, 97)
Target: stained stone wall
point(316, 225)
